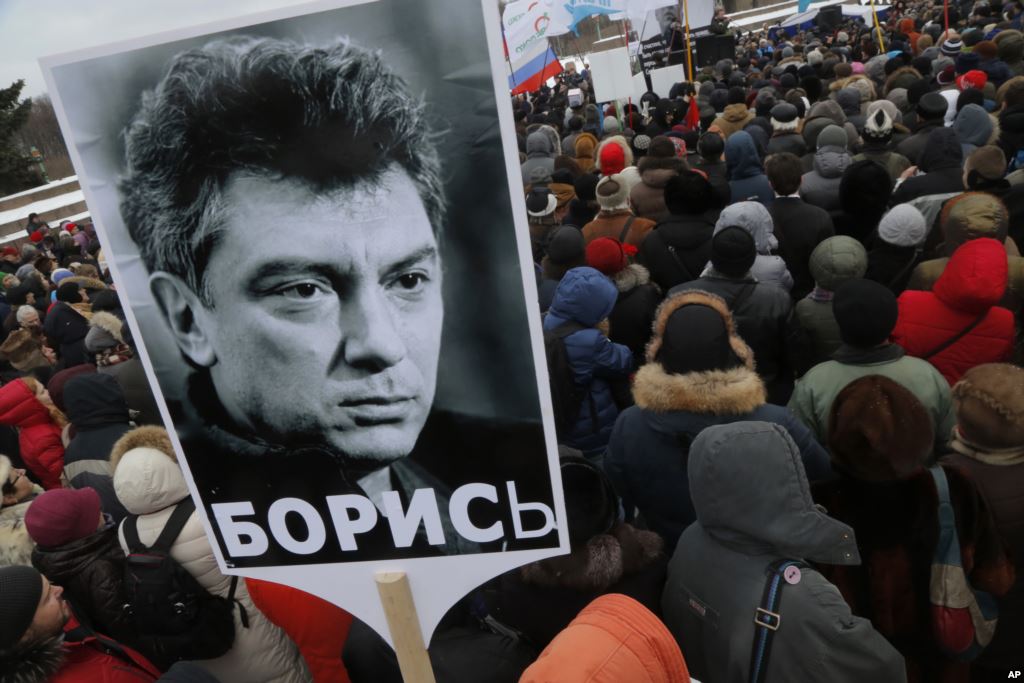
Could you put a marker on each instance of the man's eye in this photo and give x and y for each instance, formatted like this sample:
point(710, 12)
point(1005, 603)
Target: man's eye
point(302, 291)
point(411, 281)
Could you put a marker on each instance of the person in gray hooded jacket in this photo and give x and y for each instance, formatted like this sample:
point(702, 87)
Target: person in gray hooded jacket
point(754, 507)
point(755, 219)
point(538, 155)
point(821, 186)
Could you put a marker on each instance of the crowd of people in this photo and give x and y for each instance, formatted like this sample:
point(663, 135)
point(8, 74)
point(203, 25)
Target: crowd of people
point(789, 299)
point(782, 308)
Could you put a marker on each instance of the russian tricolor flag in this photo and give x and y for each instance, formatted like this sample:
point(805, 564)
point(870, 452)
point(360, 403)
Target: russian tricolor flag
point(534, 68)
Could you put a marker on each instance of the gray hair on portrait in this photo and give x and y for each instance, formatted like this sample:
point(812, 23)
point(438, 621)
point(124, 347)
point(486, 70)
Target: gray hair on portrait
point(330, 117)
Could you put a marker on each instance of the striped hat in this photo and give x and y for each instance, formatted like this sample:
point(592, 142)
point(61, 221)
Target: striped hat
point(952, 47)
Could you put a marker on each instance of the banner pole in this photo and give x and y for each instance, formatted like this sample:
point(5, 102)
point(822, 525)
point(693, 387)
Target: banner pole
point(508, 60)
point(689, 53)
point(625, 33)
point(945, 10)
point(404, 624)
point(878, 27)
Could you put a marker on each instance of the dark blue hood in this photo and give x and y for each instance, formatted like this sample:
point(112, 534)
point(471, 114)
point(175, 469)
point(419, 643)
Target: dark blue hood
point(741, 156)
point(584, 295)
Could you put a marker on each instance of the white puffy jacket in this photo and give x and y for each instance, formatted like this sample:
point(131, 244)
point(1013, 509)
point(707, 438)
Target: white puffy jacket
point(149, 482)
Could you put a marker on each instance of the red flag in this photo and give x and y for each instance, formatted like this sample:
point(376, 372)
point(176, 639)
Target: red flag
point(693, 115)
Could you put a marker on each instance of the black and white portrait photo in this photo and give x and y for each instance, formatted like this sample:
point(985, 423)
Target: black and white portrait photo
point(310, 219)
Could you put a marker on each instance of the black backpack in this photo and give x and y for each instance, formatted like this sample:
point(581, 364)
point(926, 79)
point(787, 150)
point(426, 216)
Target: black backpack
point(567, 396)
point(165, 603)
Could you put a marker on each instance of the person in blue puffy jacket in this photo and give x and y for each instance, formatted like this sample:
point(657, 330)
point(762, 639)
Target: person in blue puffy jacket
point(585, 296)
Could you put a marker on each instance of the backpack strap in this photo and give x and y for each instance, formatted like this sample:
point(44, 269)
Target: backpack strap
point(905, 269)
point(625, 229)
point(177, 521)
point(955, 338)
point(767, 618)
point(130, 529)
point(948, 547)
point(242, 613)
point(679, 262)
point(740, 298)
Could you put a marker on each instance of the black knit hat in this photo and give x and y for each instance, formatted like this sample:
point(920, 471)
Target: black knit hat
point(20, 591)
point(696, 339)
point(586, 187)
point(566, 246)
point(733, 251)
point(591, 504)
point(865, 311)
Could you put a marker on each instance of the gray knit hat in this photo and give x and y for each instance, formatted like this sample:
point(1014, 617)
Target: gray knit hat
point(903, 226)
point(832, 136)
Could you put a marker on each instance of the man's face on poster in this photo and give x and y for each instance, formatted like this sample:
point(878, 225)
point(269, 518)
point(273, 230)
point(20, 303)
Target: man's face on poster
point(326, 314)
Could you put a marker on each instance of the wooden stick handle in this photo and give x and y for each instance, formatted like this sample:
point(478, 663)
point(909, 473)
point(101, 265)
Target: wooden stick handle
point(400, 610)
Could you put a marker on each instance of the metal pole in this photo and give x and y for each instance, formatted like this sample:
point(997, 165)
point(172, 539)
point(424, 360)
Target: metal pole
point(689, 53)
point(881, 42)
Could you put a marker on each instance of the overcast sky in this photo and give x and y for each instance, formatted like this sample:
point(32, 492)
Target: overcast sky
point(30, 29)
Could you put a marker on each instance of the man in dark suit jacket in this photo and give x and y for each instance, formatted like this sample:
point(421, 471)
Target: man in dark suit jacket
point(799, 226)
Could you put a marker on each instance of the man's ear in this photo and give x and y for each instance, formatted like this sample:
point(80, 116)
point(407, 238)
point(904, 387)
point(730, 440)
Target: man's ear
point(183, 312)
point(9, 499)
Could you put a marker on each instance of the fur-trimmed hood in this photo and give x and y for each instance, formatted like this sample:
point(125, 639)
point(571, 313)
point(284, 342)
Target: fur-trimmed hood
point(35, 664)
point(900, 78)
point(108, 322)
point(650, 163)
point(633, 276)
point(146, 473)
point(89, 283)
point(731, 391)
point(849, 82)
point(15, 544)
point(599, 564)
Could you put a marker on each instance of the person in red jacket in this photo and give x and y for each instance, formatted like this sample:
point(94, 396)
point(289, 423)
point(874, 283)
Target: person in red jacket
point(957, 325)
point(318, 628)
point(42, 642)
point(25, 404)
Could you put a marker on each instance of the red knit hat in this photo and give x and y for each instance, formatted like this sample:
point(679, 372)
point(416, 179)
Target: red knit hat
point(8, 251)
point(972, 79)
point(36, 236)
point(60, 516)
point(613, 159)
point(608, 255)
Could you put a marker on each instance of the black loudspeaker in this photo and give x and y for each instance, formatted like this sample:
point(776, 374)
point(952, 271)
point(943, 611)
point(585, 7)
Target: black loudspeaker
point(829, 17)
point(713, 49)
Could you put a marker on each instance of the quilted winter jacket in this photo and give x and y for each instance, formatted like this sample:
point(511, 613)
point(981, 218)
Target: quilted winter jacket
point(613, 640)
point(648, 196)
point(971, 285)
point(149, 482)
point(38, 435)
point(821, 186)
point(587, 297)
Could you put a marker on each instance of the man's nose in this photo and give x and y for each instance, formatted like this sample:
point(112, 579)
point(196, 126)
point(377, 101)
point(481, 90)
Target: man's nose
point(372, 339)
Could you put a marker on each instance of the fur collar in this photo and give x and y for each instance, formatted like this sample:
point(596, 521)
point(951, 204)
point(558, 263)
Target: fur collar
point(632, 277)
point(107, 322)
point(652, 163)
point(902, 71)
point(35, 663)
point(848, 82)
point(674, 303)
point(735, 391)
point(142, 437)
point(601, 563)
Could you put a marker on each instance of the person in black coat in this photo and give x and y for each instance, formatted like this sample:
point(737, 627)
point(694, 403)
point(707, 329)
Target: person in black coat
point(864, 193)
point(763, 311)
point(931, 112)
point(606, 556)
point(77, 548)
point(98, 412)
point(679, 247)
point(629, 323)
point(942, 165)
point(711, 148)
point(898, 248)
point(66, 326)
point(584, 207)
point(798, 226)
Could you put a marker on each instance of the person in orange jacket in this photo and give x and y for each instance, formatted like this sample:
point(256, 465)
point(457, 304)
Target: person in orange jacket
point(614, 639)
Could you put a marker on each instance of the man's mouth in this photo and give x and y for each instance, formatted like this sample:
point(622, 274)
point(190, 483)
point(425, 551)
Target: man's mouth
point(375, 410)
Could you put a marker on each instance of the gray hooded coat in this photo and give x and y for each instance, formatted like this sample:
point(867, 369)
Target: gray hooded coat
point(755, 219)
point(821, 186)
point(753, 507)
point(538, 155)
